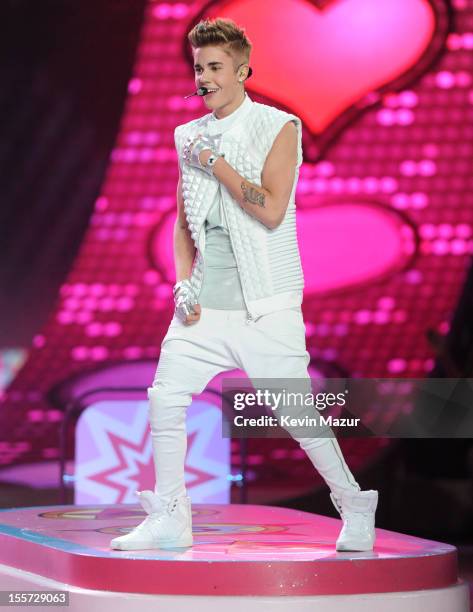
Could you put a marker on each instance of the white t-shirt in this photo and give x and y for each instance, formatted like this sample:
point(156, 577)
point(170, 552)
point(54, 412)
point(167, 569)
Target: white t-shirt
point(221, 286)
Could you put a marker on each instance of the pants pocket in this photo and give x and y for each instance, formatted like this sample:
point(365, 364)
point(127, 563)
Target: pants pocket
point(287, 323)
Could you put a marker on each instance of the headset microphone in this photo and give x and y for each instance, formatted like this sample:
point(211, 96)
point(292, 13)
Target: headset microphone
point(200, 92)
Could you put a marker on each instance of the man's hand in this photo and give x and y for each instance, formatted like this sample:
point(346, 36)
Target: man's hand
point(191, 319)
point(197, 151)
point(186, 302)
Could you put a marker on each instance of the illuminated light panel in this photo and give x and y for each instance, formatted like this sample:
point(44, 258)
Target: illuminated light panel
point(393, 148)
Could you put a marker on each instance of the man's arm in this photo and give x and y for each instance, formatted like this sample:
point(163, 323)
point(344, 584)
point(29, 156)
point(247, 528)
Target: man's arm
point(184, 248)
point(269, 202)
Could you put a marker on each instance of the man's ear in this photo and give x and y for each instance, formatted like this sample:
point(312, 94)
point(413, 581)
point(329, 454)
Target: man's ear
point(249, 72)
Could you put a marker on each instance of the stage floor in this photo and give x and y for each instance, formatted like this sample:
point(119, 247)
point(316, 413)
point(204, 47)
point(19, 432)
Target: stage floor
point(239, 551)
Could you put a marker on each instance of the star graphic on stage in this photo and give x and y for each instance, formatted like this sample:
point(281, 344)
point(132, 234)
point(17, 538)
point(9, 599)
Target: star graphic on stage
point(115, 459)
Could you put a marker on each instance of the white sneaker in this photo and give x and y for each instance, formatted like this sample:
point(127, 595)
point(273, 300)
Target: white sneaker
point(357, 509)
point(169, 525)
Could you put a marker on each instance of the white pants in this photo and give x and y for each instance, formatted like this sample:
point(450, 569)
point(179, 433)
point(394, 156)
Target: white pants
point(273, 347)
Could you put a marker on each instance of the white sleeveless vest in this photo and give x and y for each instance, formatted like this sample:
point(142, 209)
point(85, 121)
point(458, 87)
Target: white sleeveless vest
point(268, 260)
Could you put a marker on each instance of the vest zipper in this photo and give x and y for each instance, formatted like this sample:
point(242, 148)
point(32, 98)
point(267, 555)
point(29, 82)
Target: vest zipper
point(202, 229)
point(249, 316)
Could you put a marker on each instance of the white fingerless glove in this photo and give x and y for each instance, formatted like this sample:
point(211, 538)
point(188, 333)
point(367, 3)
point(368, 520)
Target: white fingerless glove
point(184, 299)
point(193, 147)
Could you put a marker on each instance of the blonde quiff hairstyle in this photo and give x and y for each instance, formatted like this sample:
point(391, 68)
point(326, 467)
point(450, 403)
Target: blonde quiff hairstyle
point(222, 32)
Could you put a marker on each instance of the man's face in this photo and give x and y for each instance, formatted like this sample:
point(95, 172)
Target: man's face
point(214, 69)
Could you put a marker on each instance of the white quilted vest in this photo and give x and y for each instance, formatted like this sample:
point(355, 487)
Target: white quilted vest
point(268, 260)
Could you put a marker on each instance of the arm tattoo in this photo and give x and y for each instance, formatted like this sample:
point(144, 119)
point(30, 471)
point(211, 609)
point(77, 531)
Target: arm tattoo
point(252, 195)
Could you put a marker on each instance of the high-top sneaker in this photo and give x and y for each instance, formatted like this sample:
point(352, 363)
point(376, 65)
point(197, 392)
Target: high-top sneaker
point(168, 525)
point(357, 509)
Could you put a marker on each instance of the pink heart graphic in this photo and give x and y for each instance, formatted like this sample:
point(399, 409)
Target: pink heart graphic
point(357, 243)
point(318, 59)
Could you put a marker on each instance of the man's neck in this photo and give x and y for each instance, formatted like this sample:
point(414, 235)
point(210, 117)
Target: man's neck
point(225, 112)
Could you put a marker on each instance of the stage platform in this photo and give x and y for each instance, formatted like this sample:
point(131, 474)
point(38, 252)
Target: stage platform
point(260, 557)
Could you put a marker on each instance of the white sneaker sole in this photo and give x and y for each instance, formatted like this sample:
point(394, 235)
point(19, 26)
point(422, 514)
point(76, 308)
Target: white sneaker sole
point(183, 542)
point(354, 547)
point(132, 545)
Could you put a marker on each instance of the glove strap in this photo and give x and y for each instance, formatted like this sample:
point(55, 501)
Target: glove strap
point(183, 283)
point(211, 161)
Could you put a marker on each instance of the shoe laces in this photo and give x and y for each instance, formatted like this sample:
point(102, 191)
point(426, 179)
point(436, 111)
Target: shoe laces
point(165, 508)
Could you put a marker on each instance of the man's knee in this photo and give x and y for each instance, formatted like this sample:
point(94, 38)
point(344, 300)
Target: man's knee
point(167, 406)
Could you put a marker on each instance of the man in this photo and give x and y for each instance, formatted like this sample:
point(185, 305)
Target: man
point(239, 305)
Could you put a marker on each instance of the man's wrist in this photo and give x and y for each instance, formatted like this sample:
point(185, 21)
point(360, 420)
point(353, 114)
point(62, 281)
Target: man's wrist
point(204, 156)
point(210, 162)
